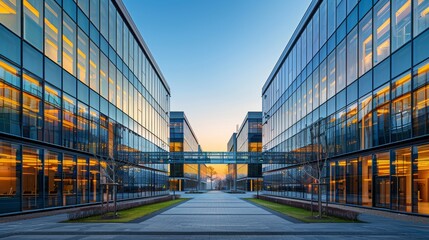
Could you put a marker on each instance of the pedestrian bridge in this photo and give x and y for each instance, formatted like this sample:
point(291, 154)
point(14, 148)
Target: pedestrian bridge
point(216, 157)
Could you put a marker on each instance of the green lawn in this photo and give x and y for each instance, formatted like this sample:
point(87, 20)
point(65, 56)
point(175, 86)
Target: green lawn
point(131, 214)
point(298, 213)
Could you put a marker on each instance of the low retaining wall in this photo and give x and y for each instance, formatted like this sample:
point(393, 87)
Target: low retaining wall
point(98, 209)
point(331, 211)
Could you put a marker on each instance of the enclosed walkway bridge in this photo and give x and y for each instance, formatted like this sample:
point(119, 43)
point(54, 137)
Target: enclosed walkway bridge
point(216, 157)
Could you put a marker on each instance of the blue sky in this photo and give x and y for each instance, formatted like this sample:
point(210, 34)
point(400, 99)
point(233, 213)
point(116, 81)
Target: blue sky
point(216, 55)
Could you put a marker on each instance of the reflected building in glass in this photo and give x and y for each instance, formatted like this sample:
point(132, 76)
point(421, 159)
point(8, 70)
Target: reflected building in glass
point(185, 177)
point(246, 177)
point(361, 68)
point(78, 86)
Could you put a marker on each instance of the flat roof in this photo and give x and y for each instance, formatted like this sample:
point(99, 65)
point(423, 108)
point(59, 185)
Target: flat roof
point(305, 19)
point(249, 115)
point(139, 38)
point(182, 115)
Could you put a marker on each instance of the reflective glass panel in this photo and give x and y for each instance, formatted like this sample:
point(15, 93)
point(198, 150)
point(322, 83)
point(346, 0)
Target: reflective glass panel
point(401, 23)
point(10, 15)
point(381, 31)
point(352, 56)
point(421, 16)
point(33, 22)
point(53, 31)
point(69, 45)
point(365, 44)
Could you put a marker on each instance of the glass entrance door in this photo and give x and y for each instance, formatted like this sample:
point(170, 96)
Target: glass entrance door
point(382, 192)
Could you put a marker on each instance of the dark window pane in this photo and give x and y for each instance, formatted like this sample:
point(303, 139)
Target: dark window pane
point(401, 60)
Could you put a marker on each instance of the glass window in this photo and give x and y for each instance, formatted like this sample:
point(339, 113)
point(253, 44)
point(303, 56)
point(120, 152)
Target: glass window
point(309, 42)
point(69, 180)
point(83, 57)
point(316, 32)
point(366, 180)
point(112, 83)
point(33, 22)
point(401, 118)
point(421, 74)
point(112, 24)
point(420, 178)
point(10, 15)
point(95, 12)
point(401, 85)
point(104, 84)
point(32, 183)
point(69, 121)
point(53, 184)
point(323, 82)
point(323, 23)
point(382, 73)
point(10, 181)
point(94, 67)
point(381, 115)
point(104, 18)
point(401, 23)
point(332, 6)
point(350, 5)
point(120, 35)
point(364, 7)
point(70, 8)
point(11, 45)
point(365, 43)
point(421, 111)
point(421, 102)
point(401, 180)
point(32, 108)
point(52, 115)
point(365, 122)
point(421, 16)
point(341, 12)
point(94, 180)
point(331, 75)
point(82, 127)
point(352, 128)
point(316, 84)
point(382, 192)
point(352, 180)
point(341, 66)
point(120, 91)
point(381, 31)
point(421, 48)
point(82, 180)
point(352, 56)
point(401, 60)
point(69, 45)
point(9, 99)
point(53, 31)
point(84, 5)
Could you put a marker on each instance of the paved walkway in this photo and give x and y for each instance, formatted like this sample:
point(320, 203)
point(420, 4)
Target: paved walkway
point(213, 215)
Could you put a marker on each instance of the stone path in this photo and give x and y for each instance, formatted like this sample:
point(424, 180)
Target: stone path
point(214, 215)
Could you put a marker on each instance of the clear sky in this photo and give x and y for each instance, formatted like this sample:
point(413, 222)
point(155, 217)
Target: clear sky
point(216, 55)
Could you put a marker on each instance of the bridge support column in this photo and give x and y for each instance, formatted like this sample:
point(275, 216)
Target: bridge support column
point(235, 177)
point(199, 178)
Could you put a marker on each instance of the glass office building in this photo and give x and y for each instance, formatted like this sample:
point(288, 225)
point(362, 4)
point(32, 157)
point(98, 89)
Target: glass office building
point(78, 86)
point(361, 67)
point(247, 139)
point(185, 177)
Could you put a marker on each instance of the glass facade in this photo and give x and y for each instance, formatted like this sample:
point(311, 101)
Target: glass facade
point(367, 79)
point(247, 139)
point(77, 85)
point(185, 177)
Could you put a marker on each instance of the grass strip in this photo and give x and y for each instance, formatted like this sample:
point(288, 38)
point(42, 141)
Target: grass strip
point(298, 213)
point(130, 214)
